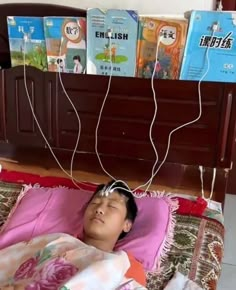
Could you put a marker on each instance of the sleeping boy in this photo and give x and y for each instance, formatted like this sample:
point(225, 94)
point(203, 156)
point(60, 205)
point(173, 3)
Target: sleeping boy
point(61, 261)
point(109, 217)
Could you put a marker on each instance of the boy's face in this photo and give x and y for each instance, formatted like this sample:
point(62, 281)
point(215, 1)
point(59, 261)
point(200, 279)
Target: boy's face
point(105, 217)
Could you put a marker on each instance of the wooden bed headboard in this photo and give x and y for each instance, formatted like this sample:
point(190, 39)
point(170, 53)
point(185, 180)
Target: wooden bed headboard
point(124, 130)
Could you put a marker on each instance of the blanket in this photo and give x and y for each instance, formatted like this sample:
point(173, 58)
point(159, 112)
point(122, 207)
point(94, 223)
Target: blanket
point(60, 261)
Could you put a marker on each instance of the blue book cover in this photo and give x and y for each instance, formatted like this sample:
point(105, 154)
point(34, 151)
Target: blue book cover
point(66, 43)
point(120, 49)
point(220, 43)
point(26, 36)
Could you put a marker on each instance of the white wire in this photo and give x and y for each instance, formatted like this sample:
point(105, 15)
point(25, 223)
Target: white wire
point(201, 177)
point(79, 130)
point(96, 135)
point(212, 183)
point(78, 118)
point(219, 6)
point(37, 122)
point(79, 122)
point(153, 119)
point(128, 190)
point(148, 183)
point(150, 129)
point(188, 123)
point(100, 115)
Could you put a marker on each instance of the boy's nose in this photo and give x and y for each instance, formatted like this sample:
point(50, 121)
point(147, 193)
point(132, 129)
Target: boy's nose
point(99, 211)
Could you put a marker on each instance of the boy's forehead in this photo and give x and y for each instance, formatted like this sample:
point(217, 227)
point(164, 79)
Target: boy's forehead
point(111, 196)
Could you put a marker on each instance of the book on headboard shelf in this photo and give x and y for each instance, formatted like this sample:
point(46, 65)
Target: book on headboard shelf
point(210, 51)
point(112, 41)
point(26, 40)
point(166, 37)
point(66, 43)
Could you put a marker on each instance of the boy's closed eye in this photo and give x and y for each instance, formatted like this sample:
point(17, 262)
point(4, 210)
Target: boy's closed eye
point(95, 201)
point(113, 206)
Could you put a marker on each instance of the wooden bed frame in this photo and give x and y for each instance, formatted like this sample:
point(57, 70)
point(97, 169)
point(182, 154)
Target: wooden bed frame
point(229, 4)
point(123, 135)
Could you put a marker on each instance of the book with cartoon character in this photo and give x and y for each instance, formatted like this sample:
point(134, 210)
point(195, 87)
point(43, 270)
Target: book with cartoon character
point(115, 50)
point(66, 44)
point(170, 34)
point(212, 33)
point(26, 39)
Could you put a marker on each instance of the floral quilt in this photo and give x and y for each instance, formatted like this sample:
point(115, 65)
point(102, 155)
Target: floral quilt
point(60, 261)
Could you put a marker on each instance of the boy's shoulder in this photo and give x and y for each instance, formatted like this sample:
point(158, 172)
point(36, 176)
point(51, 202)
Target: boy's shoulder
point(136, 270)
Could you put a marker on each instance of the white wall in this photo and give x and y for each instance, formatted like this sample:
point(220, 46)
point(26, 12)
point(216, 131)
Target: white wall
point(152, 7)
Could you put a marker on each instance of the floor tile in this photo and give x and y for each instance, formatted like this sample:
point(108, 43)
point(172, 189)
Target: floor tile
point(228, 278)
point(230, 230)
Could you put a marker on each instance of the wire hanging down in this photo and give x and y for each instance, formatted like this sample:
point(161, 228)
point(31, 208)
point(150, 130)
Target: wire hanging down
point(25, 40)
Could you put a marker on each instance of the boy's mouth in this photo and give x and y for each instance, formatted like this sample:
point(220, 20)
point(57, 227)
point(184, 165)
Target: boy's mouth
point(97, 219)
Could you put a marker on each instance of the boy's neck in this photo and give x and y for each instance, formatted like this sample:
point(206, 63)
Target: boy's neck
point(101, 245)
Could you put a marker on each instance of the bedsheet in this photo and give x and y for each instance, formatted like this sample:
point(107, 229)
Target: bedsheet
point(60, 261)
point(9, 193)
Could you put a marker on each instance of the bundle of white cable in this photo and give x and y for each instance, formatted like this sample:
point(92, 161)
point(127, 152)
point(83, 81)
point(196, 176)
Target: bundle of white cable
point(153, 174)
point(148, 183)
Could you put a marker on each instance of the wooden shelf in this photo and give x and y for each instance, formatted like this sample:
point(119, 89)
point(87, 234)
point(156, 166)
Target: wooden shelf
point(123, 136)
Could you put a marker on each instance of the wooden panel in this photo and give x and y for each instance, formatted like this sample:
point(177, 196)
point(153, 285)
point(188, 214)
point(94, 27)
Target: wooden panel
point(123, 132)
point(27, 9)
point(50, 91)
point(231, 188)
point(2, 108)
point(21, 126)
point(171, 178)
point(124, 127)
point(229, 4)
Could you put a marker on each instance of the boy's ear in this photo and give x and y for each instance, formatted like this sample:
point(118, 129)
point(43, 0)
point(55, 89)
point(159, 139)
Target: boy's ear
point(127, 226)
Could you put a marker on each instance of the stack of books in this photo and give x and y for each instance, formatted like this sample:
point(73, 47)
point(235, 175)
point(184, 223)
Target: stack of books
point(120, 43)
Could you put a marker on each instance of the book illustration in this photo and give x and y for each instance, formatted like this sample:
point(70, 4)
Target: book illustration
point(66, 44)
point(210, 33)
point(168, 36)
point(116, 51)
point(26, 37)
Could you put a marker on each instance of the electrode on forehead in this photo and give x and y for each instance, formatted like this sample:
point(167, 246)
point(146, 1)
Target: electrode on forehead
point(106, 191)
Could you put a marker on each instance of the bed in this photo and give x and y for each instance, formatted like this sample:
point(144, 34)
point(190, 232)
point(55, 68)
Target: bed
point(197, 246)
point(194, 248)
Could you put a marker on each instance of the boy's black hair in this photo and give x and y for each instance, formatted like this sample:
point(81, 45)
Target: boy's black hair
point(122, 189)
point(77, 57)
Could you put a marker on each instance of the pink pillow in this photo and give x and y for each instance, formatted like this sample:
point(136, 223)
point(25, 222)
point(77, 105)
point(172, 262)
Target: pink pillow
point(43, 211)
point(152, 231)
point(54, 210)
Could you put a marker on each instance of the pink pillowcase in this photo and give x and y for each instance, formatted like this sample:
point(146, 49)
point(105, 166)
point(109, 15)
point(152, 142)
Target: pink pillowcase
point(152, 231)
point(54, 210)
point(43, 211)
